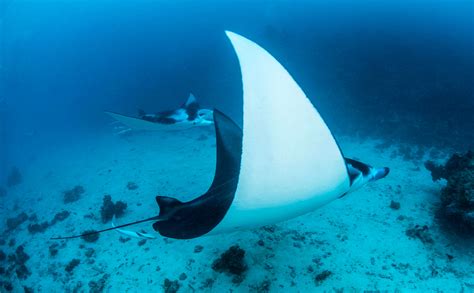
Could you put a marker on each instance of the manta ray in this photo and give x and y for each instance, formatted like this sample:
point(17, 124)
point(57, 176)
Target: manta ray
point(283, 163)
point(190, 114)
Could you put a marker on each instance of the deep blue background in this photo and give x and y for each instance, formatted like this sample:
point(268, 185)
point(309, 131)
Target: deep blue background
point(401, 70)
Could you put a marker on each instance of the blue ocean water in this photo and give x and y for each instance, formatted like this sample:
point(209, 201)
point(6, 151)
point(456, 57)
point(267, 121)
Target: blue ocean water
point(394, 77)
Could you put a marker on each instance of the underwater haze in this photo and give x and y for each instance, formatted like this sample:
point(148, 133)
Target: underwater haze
point(393, 80)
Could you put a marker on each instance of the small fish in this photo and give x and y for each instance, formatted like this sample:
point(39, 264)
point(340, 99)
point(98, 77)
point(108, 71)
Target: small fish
point(141, 235)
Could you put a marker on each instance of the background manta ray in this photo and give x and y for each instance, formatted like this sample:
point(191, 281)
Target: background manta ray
point(190, 114)
point(307, 167)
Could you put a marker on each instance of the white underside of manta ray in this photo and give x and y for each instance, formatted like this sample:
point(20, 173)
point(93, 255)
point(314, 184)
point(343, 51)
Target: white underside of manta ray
point(189, 115)
point(283, 163)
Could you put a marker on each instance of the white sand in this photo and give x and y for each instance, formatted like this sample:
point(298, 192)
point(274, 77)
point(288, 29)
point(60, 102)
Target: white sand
point(358, 238)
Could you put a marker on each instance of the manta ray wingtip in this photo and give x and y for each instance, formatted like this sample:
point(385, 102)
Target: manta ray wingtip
point(233, 36)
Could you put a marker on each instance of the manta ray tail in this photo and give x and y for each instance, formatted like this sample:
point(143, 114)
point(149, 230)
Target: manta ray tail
point(155, 218)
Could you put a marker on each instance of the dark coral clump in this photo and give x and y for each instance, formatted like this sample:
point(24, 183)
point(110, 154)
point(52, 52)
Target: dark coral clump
point(53, 249)
point(7, 285)
point(232, 262)
point(120, 207)
point(98, 286)
point(15, 268)
point(321, 277)
point(110, 209)
point(19, 259)
point(38, 228)
point(74, 194)
point(41, 227)
point(170, 286)
point(13, 223)
point(20, 255)
point(72, 265)
point(132, 185)
point(394, 205)
point(14, 178)
point(454, 165)
point(60, 217)
point(420, 232)
point(22, 272)
point(89, 252)
point(457, 197)
point(437, 171)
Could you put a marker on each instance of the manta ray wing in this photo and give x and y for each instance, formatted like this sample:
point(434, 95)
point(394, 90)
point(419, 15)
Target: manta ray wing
point(195, 218)
point(288, 164)
point(291, 163)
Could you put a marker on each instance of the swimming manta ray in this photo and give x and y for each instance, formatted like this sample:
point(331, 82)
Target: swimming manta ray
point(283, 163)
point(188, 115)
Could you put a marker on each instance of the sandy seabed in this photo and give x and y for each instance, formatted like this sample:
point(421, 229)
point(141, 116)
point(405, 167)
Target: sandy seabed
point(359, 240)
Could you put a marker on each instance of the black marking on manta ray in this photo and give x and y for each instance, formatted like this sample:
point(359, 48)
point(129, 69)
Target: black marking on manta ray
point(364, 168)
point(192, 111)
point(166, 120)
point(352, 171)
point(185, 220)
point(166, 117)
point(165, 113)
point(160, 117)
point(153, 119)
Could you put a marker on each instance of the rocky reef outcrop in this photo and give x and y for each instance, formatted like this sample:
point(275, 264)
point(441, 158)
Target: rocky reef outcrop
point(457, 197)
